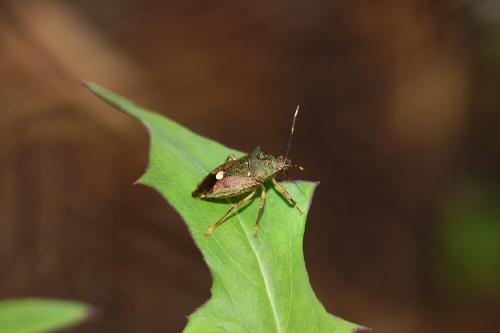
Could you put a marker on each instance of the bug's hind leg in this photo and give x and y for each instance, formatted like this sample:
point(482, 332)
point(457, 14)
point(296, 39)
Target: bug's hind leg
point(261, 209)
point(229, 211)
point(286, 195)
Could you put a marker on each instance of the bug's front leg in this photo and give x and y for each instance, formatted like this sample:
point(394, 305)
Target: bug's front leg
point(231, 209)
point(261, 209)
point(286, 195)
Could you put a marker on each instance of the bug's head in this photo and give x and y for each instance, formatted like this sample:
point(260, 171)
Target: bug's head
point(283, 164)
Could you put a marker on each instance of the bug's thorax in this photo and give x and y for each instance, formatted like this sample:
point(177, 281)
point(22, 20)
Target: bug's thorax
point(263, 166)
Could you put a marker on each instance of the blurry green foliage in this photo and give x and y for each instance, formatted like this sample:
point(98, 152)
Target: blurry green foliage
point(471, 241)
point(31, 315)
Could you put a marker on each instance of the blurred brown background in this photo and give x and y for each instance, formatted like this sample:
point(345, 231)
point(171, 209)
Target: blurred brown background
point(400, 122)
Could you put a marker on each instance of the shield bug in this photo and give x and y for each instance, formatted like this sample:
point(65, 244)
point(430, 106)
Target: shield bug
point(245, 175)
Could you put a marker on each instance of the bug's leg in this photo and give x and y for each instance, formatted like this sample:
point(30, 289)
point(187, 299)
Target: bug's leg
point(229, 211)
point(286, 195)
point(261, 209)
point(230, 157)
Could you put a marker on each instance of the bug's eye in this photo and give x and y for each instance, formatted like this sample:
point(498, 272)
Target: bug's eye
point(261, 156)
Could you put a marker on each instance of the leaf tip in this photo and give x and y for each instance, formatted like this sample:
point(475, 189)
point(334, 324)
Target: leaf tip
point(142, 180)
point(362, 329)
point(94, 88)
point(87, 84)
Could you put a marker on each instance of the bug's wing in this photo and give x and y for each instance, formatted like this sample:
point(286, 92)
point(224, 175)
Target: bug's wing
point(233, 168)
point(206, 185)
point(233, 185)
point(226, 187)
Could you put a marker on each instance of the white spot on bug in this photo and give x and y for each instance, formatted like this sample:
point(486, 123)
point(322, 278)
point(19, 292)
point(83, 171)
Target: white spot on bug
point(248, 174)
point(219, 175)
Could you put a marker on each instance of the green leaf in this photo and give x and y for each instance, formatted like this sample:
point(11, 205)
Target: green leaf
point(31, 315)
point(259, 285)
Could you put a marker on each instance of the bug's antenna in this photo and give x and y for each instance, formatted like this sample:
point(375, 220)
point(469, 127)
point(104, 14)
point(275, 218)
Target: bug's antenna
point(291, 132)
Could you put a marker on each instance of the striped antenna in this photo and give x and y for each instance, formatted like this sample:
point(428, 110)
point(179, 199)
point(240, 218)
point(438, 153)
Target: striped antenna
point(291, 132)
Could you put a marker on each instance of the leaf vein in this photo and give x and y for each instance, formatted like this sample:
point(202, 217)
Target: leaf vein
point(265, 277)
